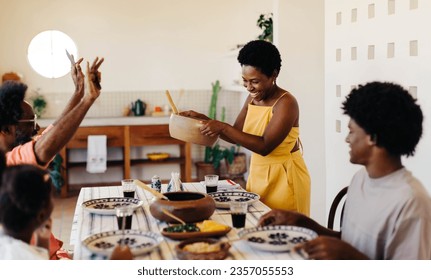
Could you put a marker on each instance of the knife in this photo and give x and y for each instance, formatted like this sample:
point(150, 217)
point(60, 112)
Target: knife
point(72, 60)
point(147, 188)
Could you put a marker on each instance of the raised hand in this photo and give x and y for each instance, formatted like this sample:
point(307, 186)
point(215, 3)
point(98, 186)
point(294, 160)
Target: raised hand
point(94, 77)
point(77, 75)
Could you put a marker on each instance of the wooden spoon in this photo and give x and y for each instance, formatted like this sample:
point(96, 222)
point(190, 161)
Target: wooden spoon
point(174, 108)
point(147, 188)
point(166, 212)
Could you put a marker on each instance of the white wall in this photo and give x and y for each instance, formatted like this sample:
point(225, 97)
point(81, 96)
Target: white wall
point(300, 38)
point(147, 44)
point(407, 23)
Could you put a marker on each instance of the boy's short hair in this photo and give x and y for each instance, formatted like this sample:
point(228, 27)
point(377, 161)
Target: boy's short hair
point(388, 113)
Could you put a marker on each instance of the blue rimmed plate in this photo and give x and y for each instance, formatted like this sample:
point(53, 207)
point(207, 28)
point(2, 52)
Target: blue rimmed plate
point(139, 242)
point(276, 238)
point(106, 206)
point(223, 199)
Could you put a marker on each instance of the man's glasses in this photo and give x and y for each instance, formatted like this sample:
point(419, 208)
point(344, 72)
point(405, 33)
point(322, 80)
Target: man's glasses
point(34, 120)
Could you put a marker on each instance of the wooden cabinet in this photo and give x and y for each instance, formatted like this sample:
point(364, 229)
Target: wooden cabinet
point(127, 137)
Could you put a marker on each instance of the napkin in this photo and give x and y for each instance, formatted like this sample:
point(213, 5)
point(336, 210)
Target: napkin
point(96, 153)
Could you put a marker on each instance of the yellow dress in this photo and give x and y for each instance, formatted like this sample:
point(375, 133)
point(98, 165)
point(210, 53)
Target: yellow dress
point(281, 178)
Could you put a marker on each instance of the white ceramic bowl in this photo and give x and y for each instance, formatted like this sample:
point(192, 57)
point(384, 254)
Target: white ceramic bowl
point(187, 130)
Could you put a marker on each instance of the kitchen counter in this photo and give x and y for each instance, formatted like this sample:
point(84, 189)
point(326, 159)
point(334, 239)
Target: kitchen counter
point(114, 121)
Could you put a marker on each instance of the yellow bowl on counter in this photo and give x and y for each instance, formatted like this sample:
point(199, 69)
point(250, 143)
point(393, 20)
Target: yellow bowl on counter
point(157, 156)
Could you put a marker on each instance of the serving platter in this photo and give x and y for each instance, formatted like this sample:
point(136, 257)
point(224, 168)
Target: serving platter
point(106, 206)
point(139, 242)
point(194, 234)
point(276, 238)
point(223, 199)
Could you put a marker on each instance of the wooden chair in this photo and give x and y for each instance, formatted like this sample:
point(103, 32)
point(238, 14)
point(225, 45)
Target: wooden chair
point(334, 206)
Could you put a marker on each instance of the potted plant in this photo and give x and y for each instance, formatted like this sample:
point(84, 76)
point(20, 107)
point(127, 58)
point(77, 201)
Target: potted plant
point(39, 103)
point(215, 154)
point(265, 23)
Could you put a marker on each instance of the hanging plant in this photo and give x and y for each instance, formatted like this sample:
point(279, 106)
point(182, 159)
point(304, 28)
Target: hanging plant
point(265, 23)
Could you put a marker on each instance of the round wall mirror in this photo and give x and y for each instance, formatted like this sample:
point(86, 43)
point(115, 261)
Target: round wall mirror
point(47, 53)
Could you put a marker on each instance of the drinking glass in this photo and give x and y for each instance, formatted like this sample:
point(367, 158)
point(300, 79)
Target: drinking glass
point(211, 182)
point(238, 210)
point(124, 216)
point(129, 188)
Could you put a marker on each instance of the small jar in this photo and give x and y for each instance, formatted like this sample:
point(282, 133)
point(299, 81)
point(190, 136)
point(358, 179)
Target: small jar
point(156, 184)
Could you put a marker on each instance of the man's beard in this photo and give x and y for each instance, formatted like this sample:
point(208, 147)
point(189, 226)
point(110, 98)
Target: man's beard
point(22, 139)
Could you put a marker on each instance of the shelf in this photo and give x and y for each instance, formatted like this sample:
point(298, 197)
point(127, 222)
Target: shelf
point(109, 163)
point(164, 161)
point(126, 137)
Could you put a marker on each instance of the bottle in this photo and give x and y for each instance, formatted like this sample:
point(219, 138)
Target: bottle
point(156, 184)
point(175, 184)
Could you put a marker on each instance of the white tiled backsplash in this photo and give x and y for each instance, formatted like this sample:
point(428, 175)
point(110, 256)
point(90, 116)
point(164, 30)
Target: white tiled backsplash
point(112, 104)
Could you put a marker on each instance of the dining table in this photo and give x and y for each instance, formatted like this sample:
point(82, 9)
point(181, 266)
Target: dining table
point(86, 224)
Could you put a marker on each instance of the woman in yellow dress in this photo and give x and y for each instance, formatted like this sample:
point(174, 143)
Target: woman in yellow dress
point(268, 125)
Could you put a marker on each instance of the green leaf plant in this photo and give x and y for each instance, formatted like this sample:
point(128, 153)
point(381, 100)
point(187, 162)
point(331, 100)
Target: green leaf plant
point(217, 153)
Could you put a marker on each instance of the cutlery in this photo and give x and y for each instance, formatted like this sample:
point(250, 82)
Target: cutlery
point(147, 188)
point(228, 213)
point(166, 212)
point(72, 60)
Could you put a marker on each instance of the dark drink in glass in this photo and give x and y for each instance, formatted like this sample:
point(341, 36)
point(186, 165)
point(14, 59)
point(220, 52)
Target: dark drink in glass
point(128, 222)
point(211, 189)
point(238, 220)
point(129, 194)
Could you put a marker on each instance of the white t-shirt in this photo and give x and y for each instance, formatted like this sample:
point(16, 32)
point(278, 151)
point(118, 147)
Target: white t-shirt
point(388, 217)
point(14, 249)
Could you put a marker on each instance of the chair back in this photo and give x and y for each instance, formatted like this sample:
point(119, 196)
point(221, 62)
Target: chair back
point(334, 206)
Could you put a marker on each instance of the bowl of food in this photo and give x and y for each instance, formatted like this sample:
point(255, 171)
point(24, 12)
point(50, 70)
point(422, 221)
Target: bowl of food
point(187, 129)
point(202, 249)
point(189, 206)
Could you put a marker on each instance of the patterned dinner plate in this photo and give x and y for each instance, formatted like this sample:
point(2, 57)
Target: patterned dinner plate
point(139, 242)
point(223, 199)
point(276, 238)
point(106, 206)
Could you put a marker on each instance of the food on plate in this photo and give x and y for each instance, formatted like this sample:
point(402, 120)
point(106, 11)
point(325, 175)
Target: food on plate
point(182, 228)
point(204, 226)
point(209, 226)
point(202, 247)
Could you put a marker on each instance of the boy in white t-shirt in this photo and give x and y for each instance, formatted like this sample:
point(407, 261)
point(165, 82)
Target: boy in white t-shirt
point(388, 211)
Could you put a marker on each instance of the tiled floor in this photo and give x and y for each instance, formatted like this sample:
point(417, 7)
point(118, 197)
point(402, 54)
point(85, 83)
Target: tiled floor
point(62, 218)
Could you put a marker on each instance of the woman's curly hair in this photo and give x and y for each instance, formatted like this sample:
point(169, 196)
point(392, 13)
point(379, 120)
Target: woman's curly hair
point(11, 95)
point(261, 54)
point(388, 113)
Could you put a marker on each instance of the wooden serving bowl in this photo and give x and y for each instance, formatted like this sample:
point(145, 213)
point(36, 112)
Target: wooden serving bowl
point(187, 130)
point(189, 206)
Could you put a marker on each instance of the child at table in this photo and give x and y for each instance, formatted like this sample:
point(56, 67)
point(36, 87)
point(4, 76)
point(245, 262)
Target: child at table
point(25, 210)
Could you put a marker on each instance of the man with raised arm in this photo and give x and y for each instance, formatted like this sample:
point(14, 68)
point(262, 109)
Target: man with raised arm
point(18, 137)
